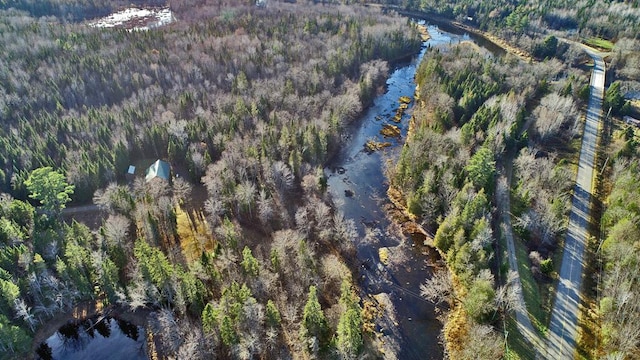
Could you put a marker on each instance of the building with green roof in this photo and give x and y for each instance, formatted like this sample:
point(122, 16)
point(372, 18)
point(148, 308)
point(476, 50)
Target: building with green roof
point(159, 169)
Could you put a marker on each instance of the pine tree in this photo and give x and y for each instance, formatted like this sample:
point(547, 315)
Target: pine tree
point(350, 323)
point(50, 188)
point(314, 323)
point(249, 262)
point(228, 332)
point(209, 318)
point(273, 315)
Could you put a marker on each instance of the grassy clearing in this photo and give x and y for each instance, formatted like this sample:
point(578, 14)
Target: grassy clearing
point(538, 302)
point(534, 294)
point(518, 347)
point(192, 231)
point(600, 43)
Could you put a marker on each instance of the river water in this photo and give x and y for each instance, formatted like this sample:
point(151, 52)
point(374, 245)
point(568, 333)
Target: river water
point(359, 175)
point(358, 187)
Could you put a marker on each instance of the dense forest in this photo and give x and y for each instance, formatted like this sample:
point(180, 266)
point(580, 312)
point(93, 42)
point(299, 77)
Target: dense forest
point(528, 25)
point(486, 121)
point(156, 94)
point(249, 102)
point(610, 19)
point(73, 10)
point(241, 254)
point(617, 252)
point(484, 112)
point(467, 130)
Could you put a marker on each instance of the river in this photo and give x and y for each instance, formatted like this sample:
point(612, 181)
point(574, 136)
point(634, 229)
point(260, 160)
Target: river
point(358, 187)
point(360, 175)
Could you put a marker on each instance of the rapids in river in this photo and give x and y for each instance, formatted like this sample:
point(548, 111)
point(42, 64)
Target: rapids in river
point(358, 186)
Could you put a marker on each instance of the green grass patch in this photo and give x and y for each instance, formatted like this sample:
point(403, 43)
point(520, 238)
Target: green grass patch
point(599, 43)
point(518, 348)
point(534, 295)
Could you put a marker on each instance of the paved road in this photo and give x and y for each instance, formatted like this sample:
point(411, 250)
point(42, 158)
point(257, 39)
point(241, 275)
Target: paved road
point(563, 327)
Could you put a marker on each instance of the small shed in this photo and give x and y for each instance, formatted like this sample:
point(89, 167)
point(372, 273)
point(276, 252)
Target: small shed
point(632, 121)
point(132, 170)
point(159, 169)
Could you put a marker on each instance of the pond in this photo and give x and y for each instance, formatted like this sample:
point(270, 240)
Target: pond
point(96, 339)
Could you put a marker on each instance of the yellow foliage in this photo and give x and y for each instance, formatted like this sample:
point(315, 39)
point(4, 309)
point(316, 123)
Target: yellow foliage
point(383, 253)
point(455, 330)
point(405, 100)
point(370, 312)
point(424, 33)
point(193, 234)
point(372, 145)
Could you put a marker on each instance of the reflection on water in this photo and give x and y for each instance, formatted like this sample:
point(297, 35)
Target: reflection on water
point(108, 338)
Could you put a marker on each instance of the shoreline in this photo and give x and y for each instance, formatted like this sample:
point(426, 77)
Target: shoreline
point(437, 19)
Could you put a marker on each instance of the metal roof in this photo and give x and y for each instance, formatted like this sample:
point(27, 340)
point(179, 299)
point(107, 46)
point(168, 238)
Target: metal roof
point(159, 169)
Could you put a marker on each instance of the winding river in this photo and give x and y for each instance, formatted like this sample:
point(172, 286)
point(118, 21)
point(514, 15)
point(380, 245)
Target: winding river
point(358, 187)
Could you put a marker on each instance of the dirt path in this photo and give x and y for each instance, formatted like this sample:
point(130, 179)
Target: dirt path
point(90, 215)
point(503, 203)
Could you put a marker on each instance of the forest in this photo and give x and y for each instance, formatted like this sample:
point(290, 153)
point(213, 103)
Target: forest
point(619, 254)
point(242, 254)
point(609, 19)
point(73, 10)
point(485, 114)
point(610, 25)
point(489, 120)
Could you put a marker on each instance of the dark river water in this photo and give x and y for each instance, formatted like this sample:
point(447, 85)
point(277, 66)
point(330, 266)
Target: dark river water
point(359, 174)
point(358, 187)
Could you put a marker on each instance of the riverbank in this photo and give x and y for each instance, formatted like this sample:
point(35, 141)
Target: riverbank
point(522, 54)
point(394, 260)
point(440, 20)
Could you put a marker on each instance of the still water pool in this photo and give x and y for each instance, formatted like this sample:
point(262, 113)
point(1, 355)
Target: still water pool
point(108, 339)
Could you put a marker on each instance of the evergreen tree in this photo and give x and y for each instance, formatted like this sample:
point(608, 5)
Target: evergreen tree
point(209, 318)
point(273, 315)
point(481, 168)
point(228, 332)
point(249, 262)
point(350, 324)
point(314, 323)
point(614, 99)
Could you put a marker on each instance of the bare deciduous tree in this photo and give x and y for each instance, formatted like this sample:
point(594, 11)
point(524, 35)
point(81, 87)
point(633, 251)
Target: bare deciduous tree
point(553, 112)
point(116, 229)
point(438, 288)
